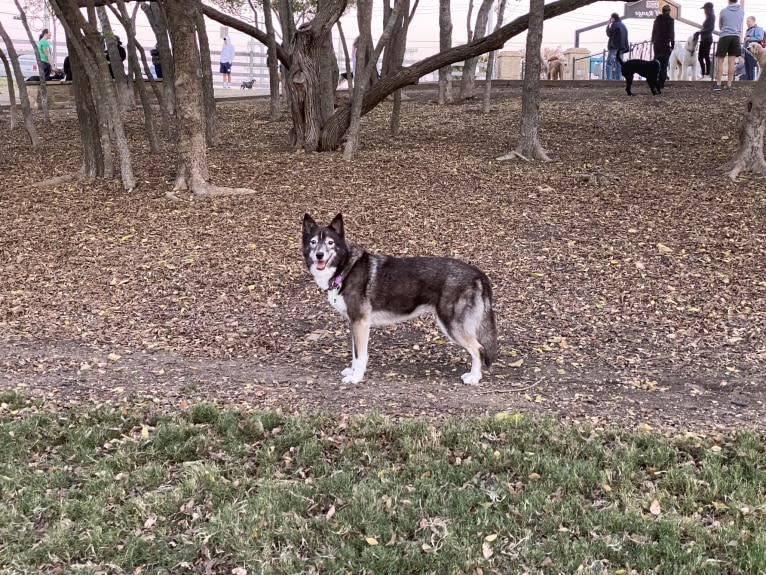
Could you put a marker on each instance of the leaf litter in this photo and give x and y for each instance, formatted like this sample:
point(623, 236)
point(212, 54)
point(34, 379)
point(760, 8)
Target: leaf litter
point(637, 302)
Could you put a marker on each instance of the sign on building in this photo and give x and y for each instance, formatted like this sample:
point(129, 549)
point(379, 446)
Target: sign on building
point(649, 9)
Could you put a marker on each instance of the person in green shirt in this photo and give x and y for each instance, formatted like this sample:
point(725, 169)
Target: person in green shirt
point(44, 49)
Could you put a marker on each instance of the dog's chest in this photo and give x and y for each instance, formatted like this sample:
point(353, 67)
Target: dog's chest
point(336, 300)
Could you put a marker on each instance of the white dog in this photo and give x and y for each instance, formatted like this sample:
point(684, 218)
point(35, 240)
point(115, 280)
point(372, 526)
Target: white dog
point(758, 52)
point(683, 59)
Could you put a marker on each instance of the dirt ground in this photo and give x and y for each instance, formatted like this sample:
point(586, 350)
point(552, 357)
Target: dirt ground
point(636, 300)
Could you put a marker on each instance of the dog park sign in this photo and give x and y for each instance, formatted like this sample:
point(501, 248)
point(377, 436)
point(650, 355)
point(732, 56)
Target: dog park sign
point(649, 9)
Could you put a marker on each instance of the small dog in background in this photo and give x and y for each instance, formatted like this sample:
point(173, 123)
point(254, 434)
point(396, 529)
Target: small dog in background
point(553, 62)
point(373, 290)
point(248, 85)
point(758, 52)
point(649, 69)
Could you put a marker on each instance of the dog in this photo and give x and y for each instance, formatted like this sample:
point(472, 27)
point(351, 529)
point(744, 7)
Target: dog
point(248, 85)
point(683, 58)
point(649, 69)
point(374, 290)
point(758, 52)
point(555, 69)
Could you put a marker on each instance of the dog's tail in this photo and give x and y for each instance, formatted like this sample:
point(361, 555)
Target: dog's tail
point(487, 331)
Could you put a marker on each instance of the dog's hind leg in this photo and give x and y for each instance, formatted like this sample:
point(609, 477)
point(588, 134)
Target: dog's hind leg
point(360, 332)
point(463, 328)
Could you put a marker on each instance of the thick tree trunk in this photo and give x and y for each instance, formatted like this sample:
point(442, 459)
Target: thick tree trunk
point(529, 147)
point(206, 66)
point(11, 89)
point(26, 108)
point(468, 84)
point(159, 25)
point(305, 84)
point(749, 154)
point(86, 41)
point(127, 23)
point(43, 82)
point(445, 43)
point(272, 62)
point(491, 61)
point(94, 162)
point(124, 93)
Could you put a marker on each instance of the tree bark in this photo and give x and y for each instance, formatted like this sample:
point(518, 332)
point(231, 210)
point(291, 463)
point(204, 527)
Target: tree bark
point(749, 154)
point(26, 108)
point(206, 66)
point(124, 94)
point(529, 146)
point(86, 41)
point(347, 58)
point(138, 81)
point(272, 61)
point(491, 62)
point(304, 83)
point(43, 81)
point(468, 83)
point(11, 89)
point(159, 25)
point(445, 43)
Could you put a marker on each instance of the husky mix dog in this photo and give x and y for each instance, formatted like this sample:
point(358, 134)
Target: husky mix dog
point(374, 290)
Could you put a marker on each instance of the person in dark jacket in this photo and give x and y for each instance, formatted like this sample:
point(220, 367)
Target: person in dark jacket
point(155, 54)
point(663, 41)
point(67, 69)
point(705, 36)
point(617, 44)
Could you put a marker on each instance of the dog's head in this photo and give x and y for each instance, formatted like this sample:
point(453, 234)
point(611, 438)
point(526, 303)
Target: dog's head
point(324, 248)
point(691, 42)
point(758, 52)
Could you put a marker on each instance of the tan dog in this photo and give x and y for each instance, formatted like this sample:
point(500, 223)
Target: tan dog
point(758, 52)
point(555, 69)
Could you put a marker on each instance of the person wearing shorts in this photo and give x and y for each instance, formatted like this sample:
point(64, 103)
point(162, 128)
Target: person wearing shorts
point(730, 23)
point(227, 57)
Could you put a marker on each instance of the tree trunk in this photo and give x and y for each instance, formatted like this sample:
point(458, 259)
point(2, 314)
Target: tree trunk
point(398, 48)
point(87, 44)
point(124, 94)
point(445, 43)
point(43, 82)
point(304, 84)
point(272, 62)
point(26, 109)
point(159, 25)
point(364, 21)
point(347, 58)
point(328, 76)
point(749, 154)
point(94, 162)
point(206, 66)
point(529, 147)
point(468, 84)
point(11, 89)
point(491, 61)
point(138, 81)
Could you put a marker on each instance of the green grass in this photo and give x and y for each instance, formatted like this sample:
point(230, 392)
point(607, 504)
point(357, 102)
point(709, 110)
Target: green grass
point(106, 490)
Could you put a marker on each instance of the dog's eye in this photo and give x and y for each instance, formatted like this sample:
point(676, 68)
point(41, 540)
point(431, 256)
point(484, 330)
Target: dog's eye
point(313, 242)
point(330, 243)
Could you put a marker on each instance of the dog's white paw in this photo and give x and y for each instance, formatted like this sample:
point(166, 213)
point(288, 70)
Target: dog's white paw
point(347, 371)
point(471, 378)
point(353, 377)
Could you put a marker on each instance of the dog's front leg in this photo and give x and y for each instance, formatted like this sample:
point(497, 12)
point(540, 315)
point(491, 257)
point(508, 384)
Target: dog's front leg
point(350, 370)
point(360, 332)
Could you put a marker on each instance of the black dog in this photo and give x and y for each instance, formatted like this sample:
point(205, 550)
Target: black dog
point(248, 85)
point(649, 69)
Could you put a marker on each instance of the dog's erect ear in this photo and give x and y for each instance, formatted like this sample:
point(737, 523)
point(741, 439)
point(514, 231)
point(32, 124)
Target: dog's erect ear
point(337, 225)
point(309, 225)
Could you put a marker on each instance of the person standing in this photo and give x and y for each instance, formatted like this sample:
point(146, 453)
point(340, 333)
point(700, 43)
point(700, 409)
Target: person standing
point(44, 49)
point(227, 58)
point(663, 41)
point(705, 36)
point(617, 45)
point(730, 22)
point(754, 33)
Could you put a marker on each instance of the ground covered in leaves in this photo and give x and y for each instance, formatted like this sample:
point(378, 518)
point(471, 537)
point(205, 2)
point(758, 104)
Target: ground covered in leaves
point(628, 272)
